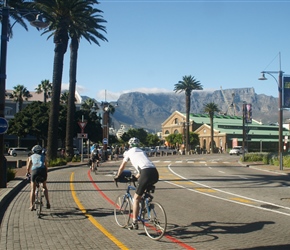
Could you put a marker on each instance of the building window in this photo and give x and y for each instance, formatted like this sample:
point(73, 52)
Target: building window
point(166, 132)
point(176, 121)
point(176, 131)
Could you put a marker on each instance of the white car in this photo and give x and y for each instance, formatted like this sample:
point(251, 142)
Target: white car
point(237, 150)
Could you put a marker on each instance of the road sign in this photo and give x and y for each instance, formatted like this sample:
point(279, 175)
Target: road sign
point(105, 141)
point(82, 124)
point(82, 135)
point(3, 125)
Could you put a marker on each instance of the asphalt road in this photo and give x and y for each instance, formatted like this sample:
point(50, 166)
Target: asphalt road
point(212, 202)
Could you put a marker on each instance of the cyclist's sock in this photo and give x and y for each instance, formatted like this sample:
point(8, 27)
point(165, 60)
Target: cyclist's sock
point(48, 205)
point(134, 225)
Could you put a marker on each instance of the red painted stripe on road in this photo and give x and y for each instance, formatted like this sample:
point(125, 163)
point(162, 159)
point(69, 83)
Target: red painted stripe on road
point(174, 240)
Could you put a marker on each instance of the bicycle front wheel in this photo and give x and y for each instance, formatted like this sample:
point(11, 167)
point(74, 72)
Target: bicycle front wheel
point(122, 210)
point(155, 221)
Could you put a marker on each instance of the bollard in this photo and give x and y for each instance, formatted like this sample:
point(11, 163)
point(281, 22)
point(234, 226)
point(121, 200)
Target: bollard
point(19, 164)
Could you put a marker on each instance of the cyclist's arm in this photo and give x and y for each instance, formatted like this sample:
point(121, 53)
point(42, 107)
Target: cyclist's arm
point(46, 164)
point(121, 168)
point(28, 165)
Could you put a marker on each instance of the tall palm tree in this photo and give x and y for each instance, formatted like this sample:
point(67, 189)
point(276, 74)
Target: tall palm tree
point(44, 87)
point(211, 108)
point(60, 14)
point(85, 23)
point(188, 84)
point(19, 94)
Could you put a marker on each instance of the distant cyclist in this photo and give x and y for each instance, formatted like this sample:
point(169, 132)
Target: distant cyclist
point(94, 157)
point(38, 165)
point(147, 174)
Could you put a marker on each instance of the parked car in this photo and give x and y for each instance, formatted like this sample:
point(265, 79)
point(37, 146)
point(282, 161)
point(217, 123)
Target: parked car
point(19, 152)
point(165, 150)
point(237, 150)
point(147, 151)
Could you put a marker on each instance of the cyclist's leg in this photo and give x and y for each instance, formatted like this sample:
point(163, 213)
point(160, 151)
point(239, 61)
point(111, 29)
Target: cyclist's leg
point(32, 195)
point(33, 188)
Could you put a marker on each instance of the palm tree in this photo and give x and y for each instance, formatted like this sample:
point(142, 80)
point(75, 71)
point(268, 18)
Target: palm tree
point(45, 87)
point(211, 108)
point(64, 98)
point(60, 14)
point(85, 23)
point(188, 84)
point(19, 94)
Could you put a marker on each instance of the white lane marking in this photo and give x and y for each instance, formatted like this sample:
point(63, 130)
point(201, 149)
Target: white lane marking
point(225, 199)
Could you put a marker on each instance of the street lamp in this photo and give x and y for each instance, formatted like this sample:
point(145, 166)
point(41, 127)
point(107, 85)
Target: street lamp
point(279, 83)
point(107, 109)
point(3, 58)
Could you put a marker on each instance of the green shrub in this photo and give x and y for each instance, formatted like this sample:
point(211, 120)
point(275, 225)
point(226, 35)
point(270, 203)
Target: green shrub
point(76, 158)
point(57, 162)
point(10, 174)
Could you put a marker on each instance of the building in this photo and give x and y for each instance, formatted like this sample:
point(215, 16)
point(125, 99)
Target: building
point(228, 131)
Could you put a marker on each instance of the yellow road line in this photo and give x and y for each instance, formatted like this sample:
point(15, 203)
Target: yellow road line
point(206, 190)
point(92, 219)
point(241, 200)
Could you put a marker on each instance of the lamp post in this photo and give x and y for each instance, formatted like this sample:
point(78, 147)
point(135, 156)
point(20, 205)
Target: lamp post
point(107, 109)
point(280, 109)
point(3, 58)
point(244, 109)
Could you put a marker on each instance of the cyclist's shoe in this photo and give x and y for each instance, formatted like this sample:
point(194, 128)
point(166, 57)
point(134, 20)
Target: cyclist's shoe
point(134, 226)
point(32, 208)
point(48, 205)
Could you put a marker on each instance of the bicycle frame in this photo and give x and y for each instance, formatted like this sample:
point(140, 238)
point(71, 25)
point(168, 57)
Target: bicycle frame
point(150, 213)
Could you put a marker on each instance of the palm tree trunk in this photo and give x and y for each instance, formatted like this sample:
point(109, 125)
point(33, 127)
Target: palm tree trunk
point(71, 97)
point(52, 143)
point(187, 120)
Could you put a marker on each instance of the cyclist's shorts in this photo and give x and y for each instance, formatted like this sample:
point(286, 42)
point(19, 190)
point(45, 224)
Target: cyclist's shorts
point(38, 172)
point(95, 158)
point(148, 176)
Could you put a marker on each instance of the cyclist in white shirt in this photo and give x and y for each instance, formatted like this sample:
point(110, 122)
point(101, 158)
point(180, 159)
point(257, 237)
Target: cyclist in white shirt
point(147, 174)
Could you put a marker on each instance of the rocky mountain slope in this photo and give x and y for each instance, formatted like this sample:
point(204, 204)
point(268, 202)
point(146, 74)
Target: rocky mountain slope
point(148, 111)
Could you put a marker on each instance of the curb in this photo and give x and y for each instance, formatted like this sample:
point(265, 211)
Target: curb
point(14, 186)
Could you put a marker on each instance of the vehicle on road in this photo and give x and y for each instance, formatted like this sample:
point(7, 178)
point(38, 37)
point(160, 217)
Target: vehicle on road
point(162, 150)
point(19, 151)
point(237, 150)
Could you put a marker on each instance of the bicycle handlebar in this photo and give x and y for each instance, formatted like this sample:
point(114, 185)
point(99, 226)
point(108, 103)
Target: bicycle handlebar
point(130, 179)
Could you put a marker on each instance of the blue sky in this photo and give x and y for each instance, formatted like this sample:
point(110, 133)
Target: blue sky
point(153, 44)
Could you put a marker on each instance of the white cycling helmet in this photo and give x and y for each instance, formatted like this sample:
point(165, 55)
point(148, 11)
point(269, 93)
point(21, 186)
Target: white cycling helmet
point(134, 142)
point(37, 149)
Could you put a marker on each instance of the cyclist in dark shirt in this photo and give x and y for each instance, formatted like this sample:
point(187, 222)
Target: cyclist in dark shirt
point(38, 165)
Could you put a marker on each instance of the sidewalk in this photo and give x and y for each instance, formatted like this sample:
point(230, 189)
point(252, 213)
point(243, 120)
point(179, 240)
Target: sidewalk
point(14, 186)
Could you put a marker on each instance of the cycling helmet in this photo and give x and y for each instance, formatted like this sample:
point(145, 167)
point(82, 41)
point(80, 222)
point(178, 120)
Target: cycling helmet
point(134, 142)
point(37, 149)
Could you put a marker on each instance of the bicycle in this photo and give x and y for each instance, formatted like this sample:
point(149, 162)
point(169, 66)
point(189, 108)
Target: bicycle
point(39, 194)
point(151, 214)
point(96, 165)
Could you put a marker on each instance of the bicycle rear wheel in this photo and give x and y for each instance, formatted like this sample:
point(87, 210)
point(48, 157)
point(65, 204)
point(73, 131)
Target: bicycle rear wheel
point(122, 210)
point(155, 221)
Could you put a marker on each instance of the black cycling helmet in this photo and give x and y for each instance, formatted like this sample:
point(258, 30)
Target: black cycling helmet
point(37, 149)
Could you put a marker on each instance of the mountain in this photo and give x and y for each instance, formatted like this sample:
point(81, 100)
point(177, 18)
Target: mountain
point(148, 111)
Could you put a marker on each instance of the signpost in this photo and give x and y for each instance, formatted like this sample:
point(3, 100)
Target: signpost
point(82, 125)
point(3, 125)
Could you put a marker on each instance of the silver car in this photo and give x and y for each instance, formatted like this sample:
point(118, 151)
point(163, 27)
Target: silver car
point(19, 152)
point(237, 150)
